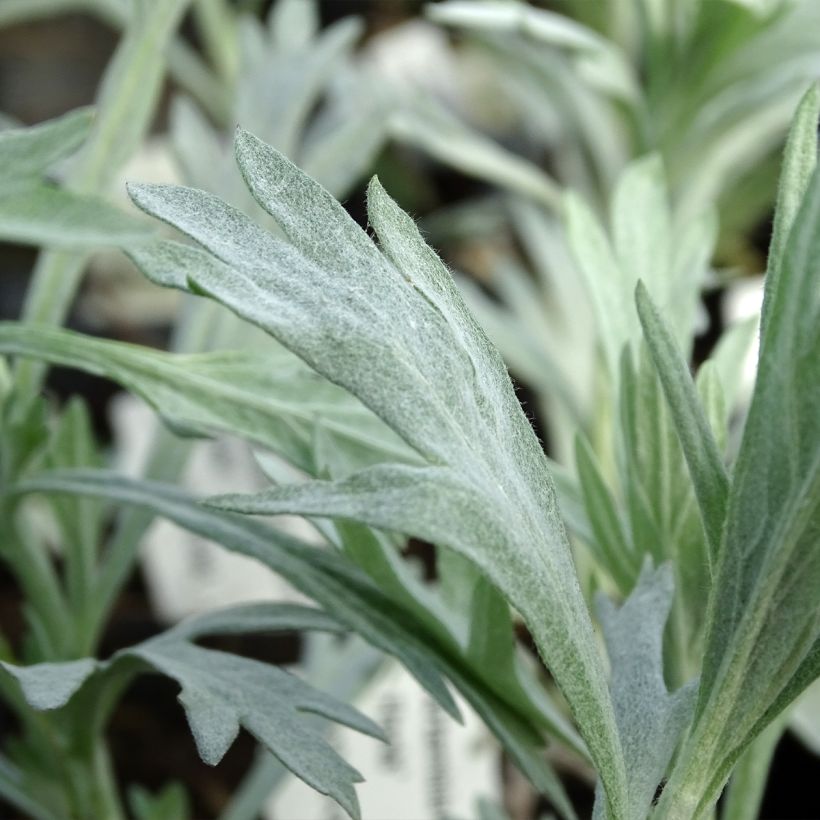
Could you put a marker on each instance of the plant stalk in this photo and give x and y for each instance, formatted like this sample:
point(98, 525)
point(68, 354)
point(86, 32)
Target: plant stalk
point(125, 103)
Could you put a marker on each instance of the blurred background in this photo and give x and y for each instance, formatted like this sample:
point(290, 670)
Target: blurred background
point(471, 131)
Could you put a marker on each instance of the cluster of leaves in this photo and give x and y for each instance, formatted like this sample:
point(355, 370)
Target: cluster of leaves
point(373, 382)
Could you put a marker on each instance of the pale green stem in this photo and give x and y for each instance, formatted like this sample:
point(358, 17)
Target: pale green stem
point(216, 24)
point(93, 786)
point(200, 325)
point(34, 572)
point(125, 105)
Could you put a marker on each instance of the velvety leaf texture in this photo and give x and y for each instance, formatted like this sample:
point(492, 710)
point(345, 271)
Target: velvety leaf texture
point(271, 399)
point(344, 590)
point(763, 619)
point(770, 571)
point(649, 717)
point(391, 328)
point(51, 685)
point(222, 692)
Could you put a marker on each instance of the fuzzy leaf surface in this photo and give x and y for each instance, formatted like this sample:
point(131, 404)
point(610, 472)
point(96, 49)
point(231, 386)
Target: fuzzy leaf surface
point(222, 692)
point(763, 618)
point(51, 685)
point(271, 400)
point(392, 329)
point(650, 718)
point(344, 592)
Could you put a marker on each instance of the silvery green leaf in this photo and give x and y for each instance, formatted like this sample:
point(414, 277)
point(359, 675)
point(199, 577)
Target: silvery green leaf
point(427, 125)
point(348, 594)
point(276, 407)
point(339, 587)
point(799, 162)
point(221, 692)
point(392, 329)
point(601, 61)
point(51, 685)
point(35, 213)
point(703, 457)
point(610, 542)
point(260, 617)
point(293, 24)
point(280, 109)
point(641, 222)
point(650, 718)
point(286, 72)
point(774, 500)
point(605, 282)
point(762, 619)
point(662, 507)
point(642, 244)
point(30, 152)
point(670, 259)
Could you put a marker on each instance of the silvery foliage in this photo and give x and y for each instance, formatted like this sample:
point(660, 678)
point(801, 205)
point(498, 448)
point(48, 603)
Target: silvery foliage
point(455, 462)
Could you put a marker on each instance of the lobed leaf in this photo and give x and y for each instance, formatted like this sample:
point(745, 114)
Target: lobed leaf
point(650, 719)
point(221, 692)
point(51, 685)
point(276, 404)
point(391, 328)
point(325, 577)
point(351, 597)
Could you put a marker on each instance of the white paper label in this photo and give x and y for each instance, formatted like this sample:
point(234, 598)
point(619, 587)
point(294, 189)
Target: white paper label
point(432, 769)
